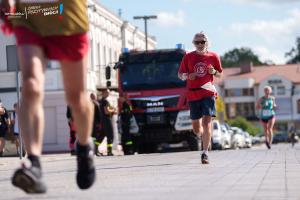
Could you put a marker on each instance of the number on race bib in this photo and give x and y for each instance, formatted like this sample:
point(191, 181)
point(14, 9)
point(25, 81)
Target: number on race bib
point(266, 113)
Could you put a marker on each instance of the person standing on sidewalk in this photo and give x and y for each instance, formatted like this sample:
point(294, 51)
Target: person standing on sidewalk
point(63, 37)
point(107, 111)
point(266, 105)
point(4, 123)
point(198, 68)
point(97, 124)
point(125, 116)
point(292, 133)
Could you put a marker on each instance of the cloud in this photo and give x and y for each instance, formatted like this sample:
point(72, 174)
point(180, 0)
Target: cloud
point(271, 30)
point(264, 1)
point(168, 19)
point(265, 4)
point(271, 34)
point(265, 54)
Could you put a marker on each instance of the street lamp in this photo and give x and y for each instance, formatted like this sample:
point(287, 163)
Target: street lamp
point(146, 18)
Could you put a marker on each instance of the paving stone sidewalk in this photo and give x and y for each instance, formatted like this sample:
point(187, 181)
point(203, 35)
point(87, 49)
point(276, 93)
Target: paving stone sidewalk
point(254, 174)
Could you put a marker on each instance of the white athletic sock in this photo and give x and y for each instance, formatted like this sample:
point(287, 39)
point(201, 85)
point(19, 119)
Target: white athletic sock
point(205, 152)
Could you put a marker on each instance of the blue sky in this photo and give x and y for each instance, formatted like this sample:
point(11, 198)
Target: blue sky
point(268, 27)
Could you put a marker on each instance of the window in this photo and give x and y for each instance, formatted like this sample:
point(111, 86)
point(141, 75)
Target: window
point(98, 55)
point(12, 58)
point(110, 55)
point(91, 55)
point(273, 90)
point(241, 109)
point(104, 56)
point(284, 106)
point(280, 90)
point(298, 106)
point(234, 92)
point(239, 92)
point(248, 92)
point(226, 93)
point(116, 56)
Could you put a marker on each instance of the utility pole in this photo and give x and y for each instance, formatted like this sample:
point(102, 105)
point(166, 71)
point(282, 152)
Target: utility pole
point(146, 18)
point(18, 106)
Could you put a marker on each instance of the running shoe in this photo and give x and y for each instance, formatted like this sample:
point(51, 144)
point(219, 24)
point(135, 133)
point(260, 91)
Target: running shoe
point(204, 159)
point(86, 172)
point(268, 145)
point(29, 179)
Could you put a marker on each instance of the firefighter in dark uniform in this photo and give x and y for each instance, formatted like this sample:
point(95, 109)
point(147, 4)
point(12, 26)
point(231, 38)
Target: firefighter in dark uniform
point(125, 116)
point(106, 115)
point(4, 124)
point(97, 126)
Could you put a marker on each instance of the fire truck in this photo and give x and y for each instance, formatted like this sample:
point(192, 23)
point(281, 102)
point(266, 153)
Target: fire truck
point(149, 81)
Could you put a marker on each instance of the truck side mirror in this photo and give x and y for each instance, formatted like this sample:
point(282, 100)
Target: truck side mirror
point(107, 72)
point(118, 65)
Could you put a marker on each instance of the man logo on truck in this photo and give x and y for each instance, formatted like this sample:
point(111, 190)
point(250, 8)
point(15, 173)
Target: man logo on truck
point(155, 104)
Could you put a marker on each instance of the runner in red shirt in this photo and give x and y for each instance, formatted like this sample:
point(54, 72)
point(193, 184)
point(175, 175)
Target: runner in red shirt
point(198, 68)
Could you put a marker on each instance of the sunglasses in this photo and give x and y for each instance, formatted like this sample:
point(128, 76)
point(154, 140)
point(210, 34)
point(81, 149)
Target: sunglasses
point(199, 42)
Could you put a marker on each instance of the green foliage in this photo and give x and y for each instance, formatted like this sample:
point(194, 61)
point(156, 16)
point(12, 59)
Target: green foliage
point(245, 125)
point(294, 53)
point(239, 56)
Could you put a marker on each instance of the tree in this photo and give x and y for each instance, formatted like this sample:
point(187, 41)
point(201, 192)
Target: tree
point(294, 53)
point(245, 125)
point(238, 56)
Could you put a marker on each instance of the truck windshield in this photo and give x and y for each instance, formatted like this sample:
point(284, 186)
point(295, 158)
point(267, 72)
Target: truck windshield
point(152, 75)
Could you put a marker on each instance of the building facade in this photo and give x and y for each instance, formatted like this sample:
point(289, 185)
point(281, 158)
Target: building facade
point(242, 87)
point(108, 35)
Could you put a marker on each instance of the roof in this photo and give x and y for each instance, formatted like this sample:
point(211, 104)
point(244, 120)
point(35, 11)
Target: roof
point(259, 73)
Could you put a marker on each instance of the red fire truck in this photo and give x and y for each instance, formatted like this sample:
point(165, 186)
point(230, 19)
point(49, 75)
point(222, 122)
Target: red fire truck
point(160, 111)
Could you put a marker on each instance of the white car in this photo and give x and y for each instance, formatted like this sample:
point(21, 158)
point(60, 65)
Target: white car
point(248, 139)
point(226, 137)
point(238, 138)
point(217, 136)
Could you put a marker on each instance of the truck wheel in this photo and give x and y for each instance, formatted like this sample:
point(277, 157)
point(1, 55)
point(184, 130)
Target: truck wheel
point(152, 147)
point(147, 148)
point(193, 143)
point(142, 148)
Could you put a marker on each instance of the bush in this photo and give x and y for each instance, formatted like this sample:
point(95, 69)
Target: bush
point(245, 125)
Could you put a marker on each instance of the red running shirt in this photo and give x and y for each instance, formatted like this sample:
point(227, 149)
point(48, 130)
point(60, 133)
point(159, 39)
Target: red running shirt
point(195, 63)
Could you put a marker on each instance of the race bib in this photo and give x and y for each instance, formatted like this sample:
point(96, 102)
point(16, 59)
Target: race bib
point(209, 86)
point(266, 113)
